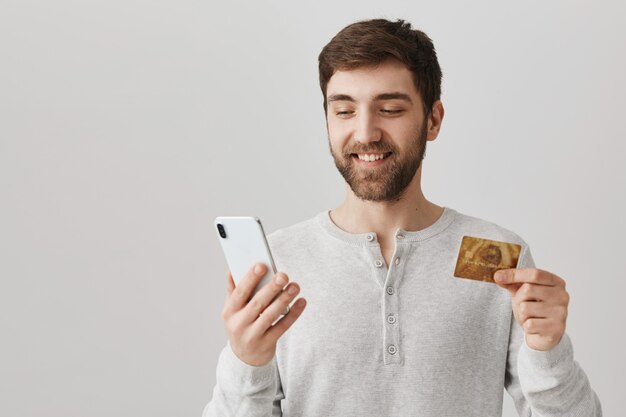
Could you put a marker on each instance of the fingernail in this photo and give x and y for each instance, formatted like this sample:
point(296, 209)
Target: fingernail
point(258, 269)
point(500, 276)
point(292, 290)
point(280, 279)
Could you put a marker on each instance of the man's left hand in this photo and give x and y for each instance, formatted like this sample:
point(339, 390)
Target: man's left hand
point(539, 303)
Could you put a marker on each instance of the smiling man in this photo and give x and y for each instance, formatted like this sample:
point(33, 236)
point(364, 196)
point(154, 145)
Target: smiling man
point(390, 329)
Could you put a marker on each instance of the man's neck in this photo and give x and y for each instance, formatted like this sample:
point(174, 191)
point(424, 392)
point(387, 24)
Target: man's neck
point(411, 212)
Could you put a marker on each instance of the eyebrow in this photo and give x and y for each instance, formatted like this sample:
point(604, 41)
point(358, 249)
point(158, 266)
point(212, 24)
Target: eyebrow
point(380, 97)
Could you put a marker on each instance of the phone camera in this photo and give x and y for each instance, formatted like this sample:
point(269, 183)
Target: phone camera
point(221, 230)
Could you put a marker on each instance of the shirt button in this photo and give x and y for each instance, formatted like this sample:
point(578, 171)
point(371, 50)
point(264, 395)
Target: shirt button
point(400, 236)
point(391, 319)
point(397, 260)
point(369, 237)
point(392, 349)
point(378, 263)
point(389, 290)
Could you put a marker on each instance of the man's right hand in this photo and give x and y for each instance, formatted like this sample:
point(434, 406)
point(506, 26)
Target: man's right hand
point(249, 326)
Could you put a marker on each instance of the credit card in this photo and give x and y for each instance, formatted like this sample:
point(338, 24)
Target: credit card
point(480, 258)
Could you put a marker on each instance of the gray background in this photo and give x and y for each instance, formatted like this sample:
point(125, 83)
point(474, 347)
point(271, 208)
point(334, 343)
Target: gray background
point(127, 126)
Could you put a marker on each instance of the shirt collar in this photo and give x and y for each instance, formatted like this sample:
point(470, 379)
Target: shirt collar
point(365, 239)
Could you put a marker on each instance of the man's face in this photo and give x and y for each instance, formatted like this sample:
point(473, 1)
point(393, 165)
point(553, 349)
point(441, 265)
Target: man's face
point(376, 111)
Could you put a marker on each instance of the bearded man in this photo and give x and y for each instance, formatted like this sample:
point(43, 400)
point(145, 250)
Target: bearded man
point(389, 329)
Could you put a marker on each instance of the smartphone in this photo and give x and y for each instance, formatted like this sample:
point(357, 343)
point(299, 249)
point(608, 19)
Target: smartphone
point(244, 244)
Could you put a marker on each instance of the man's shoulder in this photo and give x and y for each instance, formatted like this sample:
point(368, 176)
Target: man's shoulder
point(485, 229)
point(473, 226)
point(304, 229)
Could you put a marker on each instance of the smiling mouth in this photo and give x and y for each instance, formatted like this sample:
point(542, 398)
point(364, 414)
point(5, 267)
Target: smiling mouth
point(370, 157)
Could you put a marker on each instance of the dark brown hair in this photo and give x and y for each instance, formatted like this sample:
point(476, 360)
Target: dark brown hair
point(371, 42)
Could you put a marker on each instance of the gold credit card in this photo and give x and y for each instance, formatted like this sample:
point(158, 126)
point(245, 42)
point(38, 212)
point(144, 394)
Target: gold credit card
point(480, 258)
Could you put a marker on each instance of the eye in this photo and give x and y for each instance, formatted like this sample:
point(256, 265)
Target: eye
point(343, 113)
point(392, 111)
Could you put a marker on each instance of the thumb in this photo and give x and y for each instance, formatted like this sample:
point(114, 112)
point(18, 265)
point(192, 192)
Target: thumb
point(511, 288)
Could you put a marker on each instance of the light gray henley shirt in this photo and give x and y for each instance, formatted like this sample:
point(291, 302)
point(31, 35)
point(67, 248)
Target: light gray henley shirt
point(408, 339)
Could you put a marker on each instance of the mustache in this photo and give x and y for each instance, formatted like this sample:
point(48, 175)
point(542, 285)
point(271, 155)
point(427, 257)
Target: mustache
point(375, 147)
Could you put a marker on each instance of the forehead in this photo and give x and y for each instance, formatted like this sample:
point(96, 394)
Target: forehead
point(367, 82)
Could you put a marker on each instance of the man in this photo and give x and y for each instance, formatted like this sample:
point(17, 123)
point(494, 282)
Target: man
point(389, 330)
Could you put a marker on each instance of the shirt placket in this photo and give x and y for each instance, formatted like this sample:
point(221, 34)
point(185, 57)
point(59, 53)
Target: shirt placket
point(389, 279)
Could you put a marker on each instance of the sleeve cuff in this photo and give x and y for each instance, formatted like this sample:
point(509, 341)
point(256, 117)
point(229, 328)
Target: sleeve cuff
point(549, 358)
point(244, 372)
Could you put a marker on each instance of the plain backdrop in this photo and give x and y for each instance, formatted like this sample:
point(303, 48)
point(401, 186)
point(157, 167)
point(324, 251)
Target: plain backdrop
point(127, 126)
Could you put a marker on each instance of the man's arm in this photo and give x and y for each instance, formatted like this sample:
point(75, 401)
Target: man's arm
point(244, 390)
point(548, 383)
point(542, 378)
point(248, 383)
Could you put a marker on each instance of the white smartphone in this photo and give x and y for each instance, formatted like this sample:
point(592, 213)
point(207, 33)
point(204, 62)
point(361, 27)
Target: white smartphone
point(244, 244)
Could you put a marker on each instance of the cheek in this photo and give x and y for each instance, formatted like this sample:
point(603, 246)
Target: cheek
point(338, 134)
point(404, 137)
point(337, 127)
point(401, 129)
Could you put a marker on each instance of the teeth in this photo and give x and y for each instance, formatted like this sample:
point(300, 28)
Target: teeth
point(370, 157)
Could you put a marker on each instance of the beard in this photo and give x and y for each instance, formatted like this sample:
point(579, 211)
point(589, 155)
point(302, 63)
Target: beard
point(387, 183)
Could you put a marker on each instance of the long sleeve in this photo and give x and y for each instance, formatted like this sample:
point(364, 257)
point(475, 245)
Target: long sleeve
point(547, 383)
point(244, 390)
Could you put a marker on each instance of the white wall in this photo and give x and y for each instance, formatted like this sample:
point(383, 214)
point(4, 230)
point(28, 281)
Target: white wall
point(127, 126)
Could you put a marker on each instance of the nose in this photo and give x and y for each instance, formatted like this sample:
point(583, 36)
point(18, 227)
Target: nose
point(366, 129)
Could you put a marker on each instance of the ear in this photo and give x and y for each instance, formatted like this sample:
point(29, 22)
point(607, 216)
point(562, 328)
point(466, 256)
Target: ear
point(434, 120)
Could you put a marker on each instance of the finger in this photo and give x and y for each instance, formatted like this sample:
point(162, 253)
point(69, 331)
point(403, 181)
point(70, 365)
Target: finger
point(540, 310)
point(540, 326)
point(532, 309)
point(534, 292)
point(276, 308)
point(242, 292)
point(529, 275)
point(230, 284)
point(278, 329)
point(511, 288)
point(264, 297)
